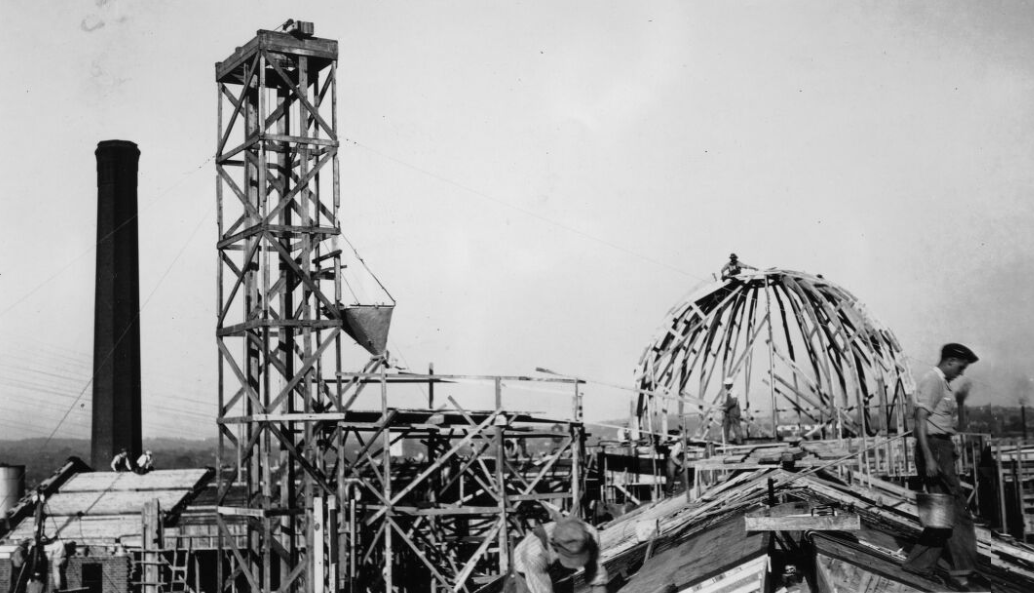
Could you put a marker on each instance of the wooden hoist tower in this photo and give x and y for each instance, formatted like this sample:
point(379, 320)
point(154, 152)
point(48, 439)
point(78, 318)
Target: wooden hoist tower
point(282, 324)
point(316, 492)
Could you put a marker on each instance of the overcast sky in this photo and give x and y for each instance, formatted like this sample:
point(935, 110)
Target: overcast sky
point(537, 183)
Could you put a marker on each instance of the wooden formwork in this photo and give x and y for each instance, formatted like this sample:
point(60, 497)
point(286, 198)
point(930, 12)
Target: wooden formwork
point(801, 351)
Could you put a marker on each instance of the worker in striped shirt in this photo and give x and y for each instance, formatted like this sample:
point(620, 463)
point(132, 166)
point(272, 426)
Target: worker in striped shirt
point(545, 560)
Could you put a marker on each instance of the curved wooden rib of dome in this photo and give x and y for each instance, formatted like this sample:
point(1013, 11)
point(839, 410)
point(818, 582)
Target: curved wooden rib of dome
point(792, 342)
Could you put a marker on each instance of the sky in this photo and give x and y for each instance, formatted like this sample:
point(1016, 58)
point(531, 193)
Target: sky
point(536, 183)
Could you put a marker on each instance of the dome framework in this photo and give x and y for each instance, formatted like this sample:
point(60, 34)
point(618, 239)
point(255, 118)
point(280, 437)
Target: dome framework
point(804, 355)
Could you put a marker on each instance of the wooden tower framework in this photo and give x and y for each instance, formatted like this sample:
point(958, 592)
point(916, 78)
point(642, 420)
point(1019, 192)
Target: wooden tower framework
point(325, 504)
point(279, 327)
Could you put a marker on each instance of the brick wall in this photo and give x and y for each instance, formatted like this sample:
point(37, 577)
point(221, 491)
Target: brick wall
point(5, 575)
point(116, 572)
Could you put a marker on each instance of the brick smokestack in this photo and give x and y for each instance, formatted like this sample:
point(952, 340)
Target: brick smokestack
point(116, 328)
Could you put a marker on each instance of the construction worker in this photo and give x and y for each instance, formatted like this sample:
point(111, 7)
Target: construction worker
point(936, 420)
point(731, 417)
point(549, 554)
point(144, 463)
point(57, 557)
point(121, 462)
point(734, 267)
point(18, 561)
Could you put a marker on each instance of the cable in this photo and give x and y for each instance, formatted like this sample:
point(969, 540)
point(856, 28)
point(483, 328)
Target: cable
point(143, 306)
point(148, 205)
point(525, 211)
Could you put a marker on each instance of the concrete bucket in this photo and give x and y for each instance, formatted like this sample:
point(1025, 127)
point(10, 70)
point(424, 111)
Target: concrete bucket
point(368, 325)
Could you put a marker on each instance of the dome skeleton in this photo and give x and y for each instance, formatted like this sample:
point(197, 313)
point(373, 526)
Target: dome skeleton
point(817, 349)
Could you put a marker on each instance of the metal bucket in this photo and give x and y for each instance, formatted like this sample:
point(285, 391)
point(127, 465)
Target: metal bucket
point(936, 511)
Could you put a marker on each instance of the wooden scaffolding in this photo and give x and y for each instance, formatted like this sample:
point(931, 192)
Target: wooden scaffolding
point(280, 326)
point(327, 504)
point(439, 497)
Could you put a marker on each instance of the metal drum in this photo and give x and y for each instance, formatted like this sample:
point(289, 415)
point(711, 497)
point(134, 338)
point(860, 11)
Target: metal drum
point(12, 486)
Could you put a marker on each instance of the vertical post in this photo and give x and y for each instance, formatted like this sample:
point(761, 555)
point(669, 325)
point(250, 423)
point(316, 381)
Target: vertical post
point(331, 530)
point(430, 386)
point(220, 453)
point(389, 566)
point(1017, 477)
point(500, 478)
point(771, 361)
point(577, 431)
point(151, 519)
point(1001, 486)
point(683, 468)
point(317, 553)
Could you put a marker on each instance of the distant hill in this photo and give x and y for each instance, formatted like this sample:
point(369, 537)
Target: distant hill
point(42, 458)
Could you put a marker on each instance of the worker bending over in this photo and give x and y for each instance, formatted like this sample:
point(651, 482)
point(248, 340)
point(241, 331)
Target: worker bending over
point(551, 553)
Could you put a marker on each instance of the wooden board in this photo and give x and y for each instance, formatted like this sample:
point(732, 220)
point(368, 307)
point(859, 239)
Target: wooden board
point(167, 479)
point(799, 517)
point(110, 503)
point(84, 530)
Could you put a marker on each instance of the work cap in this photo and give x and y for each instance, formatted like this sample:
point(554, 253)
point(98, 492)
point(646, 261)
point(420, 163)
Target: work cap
point(729, 381)
point(958, 351)
point(732, 256)
point(572, 542)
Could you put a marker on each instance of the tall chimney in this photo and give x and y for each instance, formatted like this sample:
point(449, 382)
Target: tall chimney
point(116, 317)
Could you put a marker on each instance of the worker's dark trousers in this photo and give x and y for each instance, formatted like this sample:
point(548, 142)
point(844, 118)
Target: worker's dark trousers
point(732, 430)
point(961, 541)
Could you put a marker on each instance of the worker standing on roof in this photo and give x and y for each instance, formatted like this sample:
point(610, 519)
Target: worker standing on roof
point(57, 557)
point(732, 416)
point(936, 419)
point(734, 267)
point(18, 560)
point(549, 554)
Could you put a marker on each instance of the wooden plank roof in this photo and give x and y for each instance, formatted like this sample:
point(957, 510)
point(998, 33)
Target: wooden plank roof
point(701, 556)
point(889, 528)
point(97, 507)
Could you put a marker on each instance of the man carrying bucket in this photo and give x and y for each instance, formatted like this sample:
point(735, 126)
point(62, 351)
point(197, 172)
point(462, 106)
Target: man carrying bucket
point(936, 411)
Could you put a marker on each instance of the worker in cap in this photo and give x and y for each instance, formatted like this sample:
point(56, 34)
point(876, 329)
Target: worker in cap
point(734, 267)
point(936, 421)
point(732, 431)
point(550, 553)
